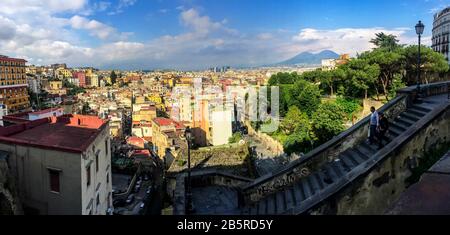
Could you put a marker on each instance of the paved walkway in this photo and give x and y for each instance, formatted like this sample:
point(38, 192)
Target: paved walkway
point(430, 196)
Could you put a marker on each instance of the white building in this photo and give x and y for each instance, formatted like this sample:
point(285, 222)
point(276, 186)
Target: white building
point(328, 64)
point(62, 166)
point(441, 32)
point(221, 129)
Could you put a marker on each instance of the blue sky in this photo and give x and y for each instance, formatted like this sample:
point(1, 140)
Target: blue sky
point(197, 34)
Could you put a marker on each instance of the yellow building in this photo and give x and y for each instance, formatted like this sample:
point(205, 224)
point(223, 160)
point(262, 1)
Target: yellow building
point(13, 84)
point(65, 73)
point(166, 134)
point(155, 98)
point(56, 85)
point(56, 88)
point(145, 114)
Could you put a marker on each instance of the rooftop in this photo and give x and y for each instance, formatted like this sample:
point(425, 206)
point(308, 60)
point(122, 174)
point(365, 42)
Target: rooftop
point(69, 133)
point(167, 122)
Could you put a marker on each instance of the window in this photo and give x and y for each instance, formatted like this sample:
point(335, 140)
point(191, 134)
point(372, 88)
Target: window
point(88, 175)
point(107, 178)
point(106, 147)
point(96, 163)
point(54, 181)
point(98, 199)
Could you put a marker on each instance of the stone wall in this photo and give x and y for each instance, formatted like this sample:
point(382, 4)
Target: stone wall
point(9, 201)
point(202, 178)
point(272, 144)
point(375, 191)
point(317, 157)
point(233, 159)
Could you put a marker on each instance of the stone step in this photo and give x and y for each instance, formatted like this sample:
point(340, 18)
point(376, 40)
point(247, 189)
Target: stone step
point(314, 183)
point(320, 178)
point(367, 149)
point(353, 161)
point(331, 175)
point(338, 168)
point(262, 207)
point(398, 126)
point(271, 205)
point(281, 202)
point(401, 123)
point(347, 164)
point(410, 116)
point(299, 193)
point(396, 129)
point(421, 107)
point(290, 198)
point(357, 154)
point(405, 120)
point(416, 112)
point(310, 187)
point(254, 210)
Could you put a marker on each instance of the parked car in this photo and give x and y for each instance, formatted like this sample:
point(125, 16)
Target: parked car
point(149, 190)
point(130, 199)
point(146, 178)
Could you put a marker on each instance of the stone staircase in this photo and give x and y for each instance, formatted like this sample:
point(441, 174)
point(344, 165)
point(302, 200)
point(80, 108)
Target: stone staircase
point(331, 176)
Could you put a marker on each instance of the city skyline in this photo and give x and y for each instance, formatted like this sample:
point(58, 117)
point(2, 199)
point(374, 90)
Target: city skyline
point(191, 35)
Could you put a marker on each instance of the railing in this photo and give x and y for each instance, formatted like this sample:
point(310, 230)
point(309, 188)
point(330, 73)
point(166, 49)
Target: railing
point(329, 151)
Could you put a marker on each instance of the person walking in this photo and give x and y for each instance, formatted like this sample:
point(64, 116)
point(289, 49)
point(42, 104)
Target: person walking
point(382, 129)
point(374, 124)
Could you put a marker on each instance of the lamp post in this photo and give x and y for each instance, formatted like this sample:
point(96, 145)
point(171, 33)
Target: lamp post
point(419, 31)
point(188, 135)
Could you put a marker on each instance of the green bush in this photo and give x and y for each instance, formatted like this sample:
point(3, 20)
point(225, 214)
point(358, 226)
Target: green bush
point(349, 106)
point(235, 138)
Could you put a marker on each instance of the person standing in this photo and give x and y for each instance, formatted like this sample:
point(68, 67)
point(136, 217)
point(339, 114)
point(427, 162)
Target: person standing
point(382, 129)
point(374, 124)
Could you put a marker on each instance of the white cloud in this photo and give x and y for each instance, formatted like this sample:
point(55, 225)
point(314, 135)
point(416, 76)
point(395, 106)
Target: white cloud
point(42, 35)
point(345, 40)
point(95, 28)
point(17, 6)
point(122, 4)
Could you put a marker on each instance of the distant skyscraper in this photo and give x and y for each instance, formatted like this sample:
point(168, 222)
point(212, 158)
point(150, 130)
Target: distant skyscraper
point(441, 32)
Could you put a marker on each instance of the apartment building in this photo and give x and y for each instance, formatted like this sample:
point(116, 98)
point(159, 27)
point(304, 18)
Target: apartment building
point(62, 165)
point(13, 84)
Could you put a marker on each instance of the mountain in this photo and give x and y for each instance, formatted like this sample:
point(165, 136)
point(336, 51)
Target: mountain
point(308, 58)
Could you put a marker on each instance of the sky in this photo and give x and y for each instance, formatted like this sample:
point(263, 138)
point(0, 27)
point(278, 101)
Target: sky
point(199, 34)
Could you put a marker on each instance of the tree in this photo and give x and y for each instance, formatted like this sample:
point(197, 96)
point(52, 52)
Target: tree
point(390, 63)
point(431, 61)
point(293, 120)
point(113, 77)
point(360, 76)
point(385, 41)
point(297, 126)
point(328, 121)
point(85, 109)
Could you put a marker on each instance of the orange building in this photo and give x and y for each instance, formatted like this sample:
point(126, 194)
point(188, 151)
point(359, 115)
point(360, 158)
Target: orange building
point(13, 84)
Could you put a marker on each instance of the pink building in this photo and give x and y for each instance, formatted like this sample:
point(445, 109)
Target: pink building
point(81, 78)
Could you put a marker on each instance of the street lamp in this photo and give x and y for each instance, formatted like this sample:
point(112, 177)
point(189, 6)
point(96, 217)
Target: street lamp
point(188, 135)
point(419, 30)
